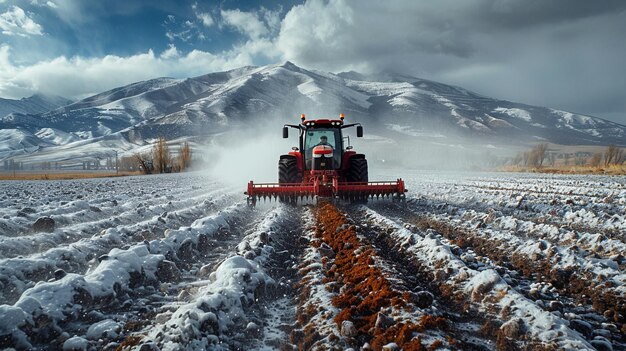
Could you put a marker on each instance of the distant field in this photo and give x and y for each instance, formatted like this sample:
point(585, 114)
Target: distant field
point(606, 170)
point(56, 175)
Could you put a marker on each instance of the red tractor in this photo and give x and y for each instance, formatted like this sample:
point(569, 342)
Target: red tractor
point(323, 167)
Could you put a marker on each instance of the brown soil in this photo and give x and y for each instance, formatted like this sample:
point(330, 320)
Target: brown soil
point(366, 290)
point(579, 285)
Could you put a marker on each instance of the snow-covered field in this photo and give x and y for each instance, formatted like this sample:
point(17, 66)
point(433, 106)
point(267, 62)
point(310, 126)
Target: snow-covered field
point(471, 261)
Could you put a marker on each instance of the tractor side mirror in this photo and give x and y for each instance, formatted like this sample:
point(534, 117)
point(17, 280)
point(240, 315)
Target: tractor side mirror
point(285, 132)
point(359, 131)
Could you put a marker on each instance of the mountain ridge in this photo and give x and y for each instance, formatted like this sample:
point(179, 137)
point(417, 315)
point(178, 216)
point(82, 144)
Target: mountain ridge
point(393, 106)
point(35, 104)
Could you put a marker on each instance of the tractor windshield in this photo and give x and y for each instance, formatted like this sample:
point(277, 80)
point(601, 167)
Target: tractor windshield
point(330, 136)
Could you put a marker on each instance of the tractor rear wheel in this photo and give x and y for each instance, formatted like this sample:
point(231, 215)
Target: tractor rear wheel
point(358, 173)
point(358, 170)
point(288, 173)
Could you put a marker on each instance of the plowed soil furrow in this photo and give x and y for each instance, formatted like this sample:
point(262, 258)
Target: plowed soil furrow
point(543, 228)
point(593, 205)
point(574, 191)
point(590, 303)
point(277, 313)
point(140, 307)
point(352, 297)
point(18, 274)
point(464, 327)
point(471, 261)
point(94, 204)
point(516, 322)
point(211, 317)
point(153, 223)
point(532, 211)
point(135, 309)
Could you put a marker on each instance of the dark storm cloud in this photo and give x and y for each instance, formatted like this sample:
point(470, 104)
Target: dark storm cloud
point(514, 15)
point(562, 54)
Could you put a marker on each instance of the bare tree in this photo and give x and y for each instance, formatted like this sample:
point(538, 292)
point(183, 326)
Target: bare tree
point(621, 157)
point(184, 158)
point(613, 155)
point(538, 154)
point(525, 158)
point(161, 155)
point(595, 160)
point(144, 162)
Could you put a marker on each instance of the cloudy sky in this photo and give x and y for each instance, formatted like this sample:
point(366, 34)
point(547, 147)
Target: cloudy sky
point(567, 54)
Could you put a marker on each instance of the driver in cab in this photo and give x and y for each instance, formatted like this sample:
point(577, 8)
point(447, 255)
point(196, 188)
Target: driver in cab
point(323, 140)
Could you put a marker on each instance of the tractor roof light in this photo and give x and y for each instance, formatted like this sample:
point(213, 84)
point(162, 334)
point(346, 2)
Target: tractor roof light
point(302, 117)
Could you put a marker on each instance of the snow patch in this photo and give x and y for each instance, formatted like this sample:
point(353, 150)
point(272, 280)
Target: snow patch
point(514, 112)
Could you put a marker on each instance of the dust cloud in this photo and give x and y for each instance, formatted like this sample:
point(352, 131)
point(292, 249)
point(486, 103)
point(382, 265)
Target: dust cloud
point(251, 152)
point(248, 153)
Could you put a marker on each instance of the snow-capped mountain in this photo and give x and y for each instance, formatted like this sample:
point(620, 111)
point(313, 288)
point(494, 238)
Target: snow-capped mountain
point(32, 105)
point(394, 107)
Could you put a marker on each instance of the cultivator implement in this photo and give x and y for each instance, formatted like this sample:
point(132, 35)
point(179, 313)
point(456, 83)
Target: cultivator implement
point(317, 188)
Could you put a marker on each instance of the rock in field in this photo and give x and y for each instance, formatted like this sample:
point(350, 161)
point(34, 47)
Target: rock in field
point(44, 224)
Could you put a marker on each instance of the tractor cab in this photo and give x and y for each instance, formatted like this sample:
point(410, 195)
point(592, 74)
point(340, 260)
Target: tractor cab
point(321, 143)
point(323, 148)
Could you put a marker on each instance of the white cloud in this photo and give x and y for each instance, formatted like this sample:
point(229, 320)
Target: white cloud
point(271, 18)
point(78, 77)
point(170, 53)
point(247, 23)
point(52, 4)
point(206, 19)
point(16, 22)
point(319, 32)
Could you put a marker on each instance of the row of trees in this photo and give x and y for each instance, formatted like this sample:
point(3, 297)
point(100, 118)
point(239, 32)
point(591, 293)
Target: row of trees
point(613, 155)
point(532, 158)
point(161, 160)
point(540, 155)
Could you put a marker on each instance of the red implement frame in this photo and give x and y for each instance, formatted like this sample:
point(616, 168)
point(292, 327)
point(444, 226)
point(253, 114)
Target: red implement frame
point(325, 187)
